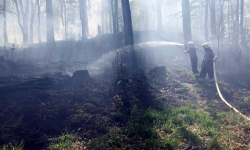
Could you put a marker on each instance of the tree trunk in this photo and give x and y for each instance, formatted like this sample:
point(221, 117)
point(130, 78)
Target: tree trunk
point(213, 18)
point(62, 15)
point(147, 15)
point(228, 19)
point(65, 20)
point(110, 20)
point(206, 21)
point(186, 21)
point(237, 24)
point(116, 16)
point(39, 21)
point(5, 35)
point(128, 28)
point(113, 16)
point(103, 21)
point(25, 16)
point(222, 26)
point(83, 17)
point(242, 32)
point(25, 23)
point(33, 10)
point(50, 24)
point(159, 15)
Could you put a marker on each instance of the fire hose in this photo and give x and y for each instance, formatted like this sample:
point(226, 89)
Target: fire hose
point(221, 96)
point(218, 88)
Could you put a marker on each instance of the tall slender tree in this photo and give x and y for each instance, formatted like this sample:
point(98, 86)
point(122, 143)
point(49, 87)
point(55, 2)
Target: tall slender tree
point(38, 21)
point(237, 24)
point(113, 11)
point(213, 18)
point(65, 20)
point(23, 14)
point(159, 15)
point(127, 20)
point(221, 24)
point(128, 29)
point(116, 15)
point(186, 21)
point(33, 10)
point(63, 15)
point(242, 32)
point(206, 20)
point(5, 35)
point(83, 17)
point(50, 24)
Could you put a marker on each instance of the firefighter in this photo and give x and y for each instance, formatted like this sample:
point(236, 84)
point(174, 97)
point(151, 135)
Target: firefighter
point(190, 48)
point(207, 64)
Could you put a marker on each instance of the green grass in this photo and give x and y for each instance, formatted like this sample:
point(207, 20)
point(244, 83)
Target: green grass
point(179, 70)
point(168, 128)
point(225, 89)
point(198, 88)
point(177, 123)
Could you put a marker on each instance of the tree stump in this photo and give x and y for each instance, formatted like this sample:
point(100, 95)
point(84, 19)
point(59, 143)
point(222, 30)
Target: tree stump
point(158, 72)
point(81, 74)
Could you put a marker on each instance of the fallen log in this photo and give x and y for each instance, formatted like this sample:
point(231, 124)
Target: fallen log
point(38, 84)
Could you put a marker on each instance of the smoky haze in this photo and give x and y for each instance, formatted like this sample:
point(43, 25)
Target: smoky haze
point(124, 74)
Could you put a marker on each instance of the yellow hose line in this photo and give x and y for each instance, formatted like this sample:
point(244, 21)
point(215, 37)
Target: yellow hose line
point(223, 99)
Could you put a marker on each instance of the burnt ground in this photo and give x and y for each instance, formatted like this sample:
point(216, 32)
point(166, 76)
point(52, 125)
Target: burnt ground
point(35, 109)
point(171, 110)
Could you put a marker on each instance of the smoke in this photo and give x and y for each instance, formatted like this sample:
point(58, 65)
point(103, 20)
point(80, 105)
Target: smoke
point(160, 53)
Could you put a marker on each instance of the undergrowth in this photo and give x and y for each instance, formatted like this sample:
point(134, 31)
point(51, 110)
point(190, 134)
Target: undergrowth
point(167, 129)
point(13, 147)
point(63, 142)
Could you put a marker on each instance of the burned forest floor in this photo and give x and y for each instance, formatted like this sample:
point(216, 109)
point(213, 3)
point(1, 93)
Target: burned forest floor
point(163, 109)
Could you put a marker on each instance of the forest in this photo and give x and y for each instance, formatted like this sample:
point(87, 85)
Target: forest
point(124, 74)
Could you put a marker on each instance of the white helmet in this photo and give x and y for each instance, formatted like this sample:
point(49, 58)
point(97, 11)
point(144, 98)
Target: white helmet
point(206, 45)
point(190, 44)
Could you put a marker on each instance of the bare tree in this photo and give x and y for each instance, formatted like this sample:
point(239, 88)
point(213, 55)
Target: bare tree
point(127, 20)
point(50, 24)
point(63, 15)
point(39, 21)
point(65, 20)
point(33, 10)
point(23, 13)
point(237, 24)
point(206, 20)
point(213, 18)
point(83, 17)
point(5, 35)
point(186, 21)
point(242, 32)
point(159, 15)
point(114, 15)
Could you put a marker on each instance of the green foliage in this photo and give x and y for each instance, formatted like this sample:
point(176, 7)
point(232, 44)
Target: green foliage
point(15, 147)
point(63, 142)
point(247, 99)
